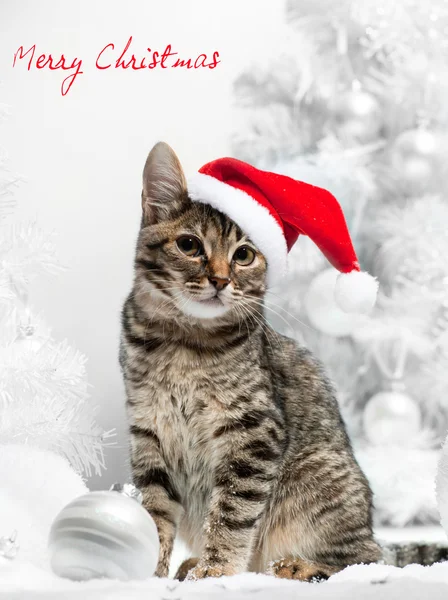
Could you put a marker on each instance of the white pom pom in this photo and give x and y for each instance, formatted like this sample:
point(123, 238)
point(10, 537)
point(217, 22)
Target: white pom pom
point(355, 292)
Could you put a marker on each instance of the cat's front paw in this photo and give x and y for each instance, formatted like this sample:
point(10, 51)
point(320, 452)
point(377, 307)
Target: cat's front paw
point(202, 570)
point(296, 568)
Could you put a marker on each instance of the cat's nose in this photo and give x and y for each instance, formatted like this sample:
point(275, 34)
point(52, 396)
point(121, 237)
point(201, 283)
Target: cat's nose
point(219, 282)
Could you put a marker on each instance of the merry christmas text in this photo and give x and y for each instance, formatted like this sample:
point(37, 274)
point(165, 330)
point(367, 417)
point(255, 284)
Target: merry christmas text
point(112, 57)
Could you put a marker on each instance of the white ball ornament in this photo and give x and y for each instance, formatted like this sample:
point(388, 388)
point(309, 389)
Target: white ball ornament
point(104, 534)
point(355, 116)
point(442, 487)
point(322, 308)
point(30, 342)
point(391, 418)
point(415, 157)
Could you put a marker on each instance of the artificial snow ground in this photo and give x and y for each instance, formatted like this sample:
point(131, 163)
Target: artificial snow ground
point(21, 580)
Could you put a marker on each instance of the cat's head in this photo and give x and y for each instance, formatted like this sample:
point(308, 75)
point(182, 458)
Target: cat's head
point(190, 257)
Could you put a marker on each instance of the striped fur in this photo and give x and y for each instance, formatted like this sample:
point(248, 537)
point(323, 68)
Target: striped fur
point(236, 438)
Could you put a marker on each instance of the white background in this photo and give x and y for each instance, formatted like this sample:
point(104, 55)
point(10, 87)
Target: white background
point(82, 155)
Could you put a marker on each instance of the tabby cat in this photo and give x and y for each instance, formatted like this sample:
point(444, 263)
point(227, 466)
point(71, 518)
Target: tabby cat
point(237, 443)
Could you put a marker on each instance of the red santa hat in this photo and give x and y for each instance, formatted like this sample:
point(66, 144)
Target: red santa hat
point(273, 210)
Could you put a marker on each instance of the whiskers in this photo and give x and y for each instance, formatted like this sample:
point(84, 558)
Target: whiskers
point(252, 308)
point(159, 286)
point(247, 310)
point(268, 304)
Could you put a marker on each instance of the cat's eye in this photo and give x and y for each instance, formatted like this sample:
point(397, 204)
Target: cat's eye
point(244, 256)
point(189, 245)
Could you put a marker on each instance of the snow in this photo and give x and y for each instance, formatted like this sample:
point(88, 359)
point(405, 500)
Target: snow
point(35, 485)
point(21, 579)
point(427, 534)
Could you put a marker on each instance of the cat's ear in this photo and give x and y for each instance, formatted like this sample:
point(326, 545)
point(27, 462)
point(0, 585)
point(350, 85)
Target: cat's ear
point(164, 194)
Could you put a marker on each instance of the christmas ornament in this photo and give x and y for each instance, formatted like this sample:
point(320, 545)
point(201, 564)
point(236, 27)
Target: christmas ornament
point(391, 417)
point(9, 546)
point(28, 338)
point(442, 486)
point(105, 534)
point(355, 116)
point(416, 157)
point(322, 309)
point(274, 209)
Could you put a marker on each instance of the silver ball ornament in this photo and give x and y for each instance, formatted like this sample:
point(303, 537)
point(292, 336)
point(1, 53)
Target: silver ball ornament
point(29, 339)
point(104, 534)
point(321, 307)
point(391, 418)
point(415, 157)
point(355, 116)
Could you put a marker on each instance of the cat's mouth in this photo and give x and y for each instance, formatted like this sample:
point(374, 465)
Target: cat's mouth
point(206, 308)
point(214, 301)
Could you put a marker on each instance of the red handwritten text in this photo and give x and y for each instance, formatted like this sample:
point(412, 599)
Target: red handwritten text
point(126, 60)
point(47, 61)
point(110, 58)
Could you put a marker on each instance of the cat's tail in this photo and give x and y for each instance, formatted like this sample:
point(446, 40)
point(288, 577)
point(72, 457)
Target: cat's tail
point(400, 555)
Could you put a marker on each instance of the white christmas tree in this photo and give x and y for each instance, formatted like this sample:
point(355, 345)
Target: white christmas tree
point(355, 102)
point(44, 397)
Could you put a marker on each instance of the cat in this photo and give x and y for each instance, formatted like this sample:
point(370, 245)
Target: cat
point(237, 442)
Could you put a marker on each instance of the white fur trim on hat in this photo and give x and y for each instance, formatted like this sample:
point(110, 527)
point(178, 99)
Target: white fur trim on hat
point(253, 218)
point(355, 292)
